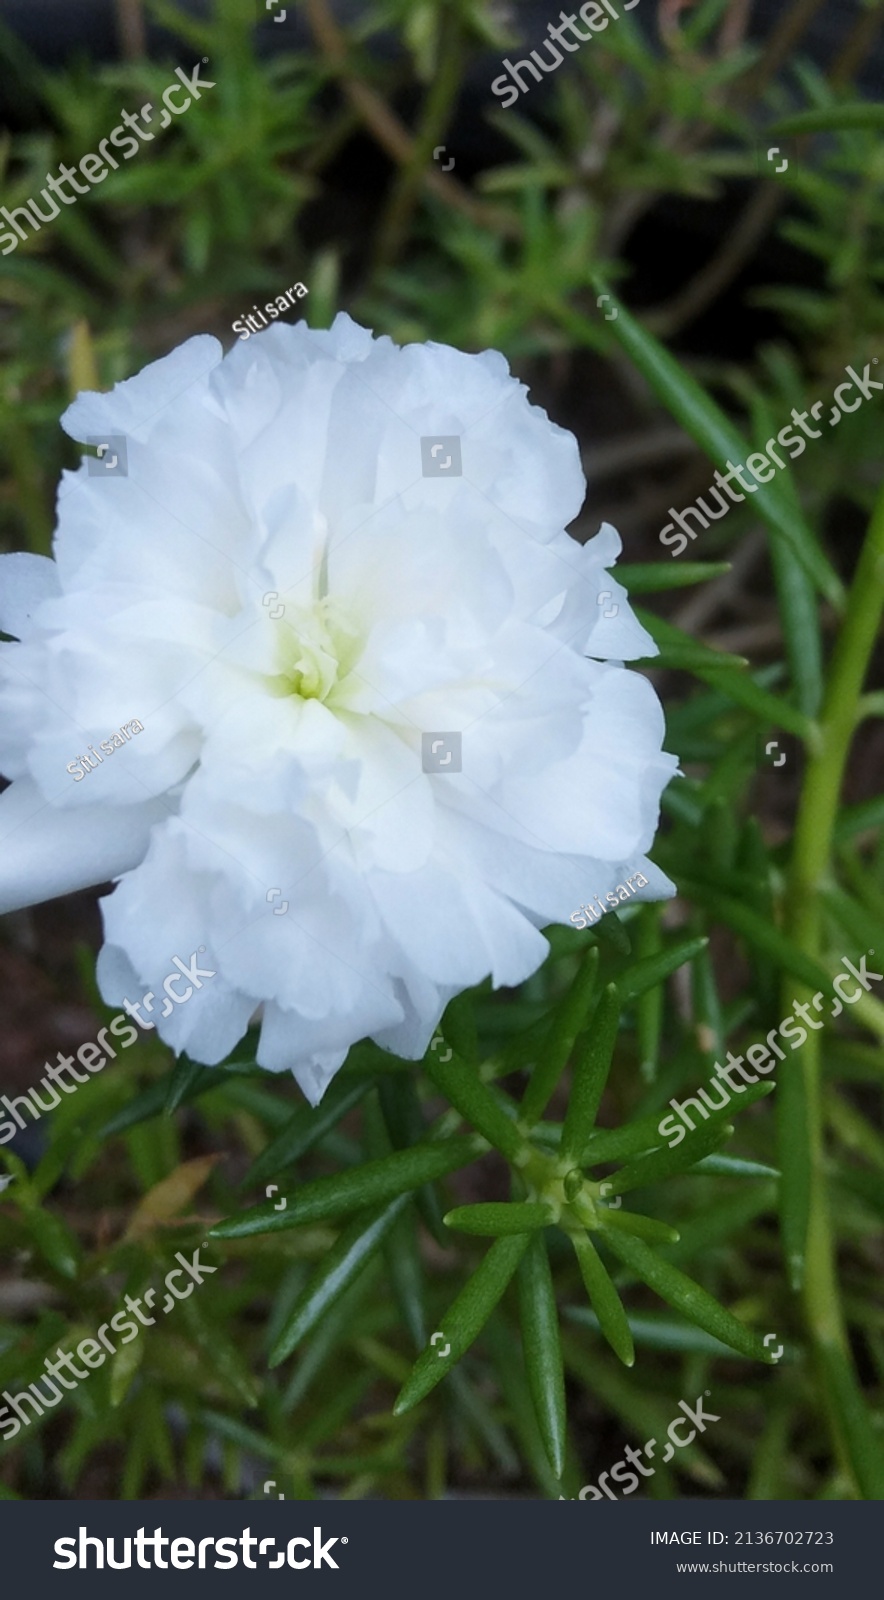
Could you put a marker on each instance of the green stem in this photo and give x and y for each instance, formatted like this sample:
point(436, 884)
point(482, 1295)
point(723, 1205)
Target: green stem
point(807, 1231)
point(444, 89)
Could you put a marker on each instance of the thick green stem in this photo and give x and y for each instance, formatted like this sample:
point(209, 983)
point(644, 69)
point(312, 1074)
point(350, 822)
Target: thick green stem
point(807, 1231)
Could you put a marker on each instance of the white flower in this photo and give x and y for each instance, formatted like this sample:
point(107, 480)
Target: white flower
point(280, 757)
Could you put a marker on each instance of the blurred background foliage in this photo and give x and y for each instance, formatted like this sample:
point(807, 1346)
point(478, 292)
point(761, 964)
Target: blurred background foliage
point(639, 170)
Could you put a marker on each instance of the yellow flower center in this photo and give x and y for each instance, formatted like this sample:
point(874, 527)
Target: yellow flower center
point(317, 646)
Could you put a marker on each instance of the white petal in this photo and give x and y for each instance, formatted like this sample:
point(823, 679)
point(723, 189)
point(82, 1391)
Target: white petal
point(207, 1024)
point(25, 582)
point(138, 402)
point(48, 850)
point(313, 1050)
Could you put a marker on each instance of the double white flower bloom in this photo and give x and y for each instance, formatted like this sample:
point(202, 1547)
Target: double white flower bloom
point(281, 754)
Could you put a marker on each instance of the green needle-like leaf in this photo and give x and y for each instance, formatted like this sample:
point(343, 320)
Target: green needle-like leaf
point(181, 1082)
point(495, 1218)
point(542, 1348)
point(735, 1167)
point(726, 673)
point(373, 1183)
point(856, 920)
point(852, 820)
point(567, 1023)
point(54, 1240)
point(651, 577)
point(150, 1102)
point(785, 954)
point(713, 431)
point(610, 930)
point(463, 1088)
point(794, 1156)
point(459, 1026)
point(351, 1251)
point(682, 1294)
point(402, 1112)
point(651, 970)
point(855, 114)
point(615, 1144)
point(642, 1227)
point(403, 1259)
point(799, 612)
point(404, 1119)
point(744, 691)
point(680, 649)
point(854, 1421)
point(305, 1128)
point(523, 1048)
point(604, 1299)
point(692, 1148)
point(654, 1331)
point(591, 1074)
point(509, 1371)
point(464, 1319)
point(721, 1220)
point(649, 1006)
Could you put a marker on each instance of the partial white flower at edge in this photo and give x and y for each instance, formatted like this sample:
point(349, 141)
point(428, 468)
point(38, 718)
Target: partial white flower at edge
point(284, 752)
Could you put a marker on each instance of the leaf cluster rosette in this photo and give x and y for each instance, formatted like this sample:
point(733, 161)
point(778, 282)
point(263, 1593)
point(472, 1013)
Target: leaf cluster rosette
point(553, 1188)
